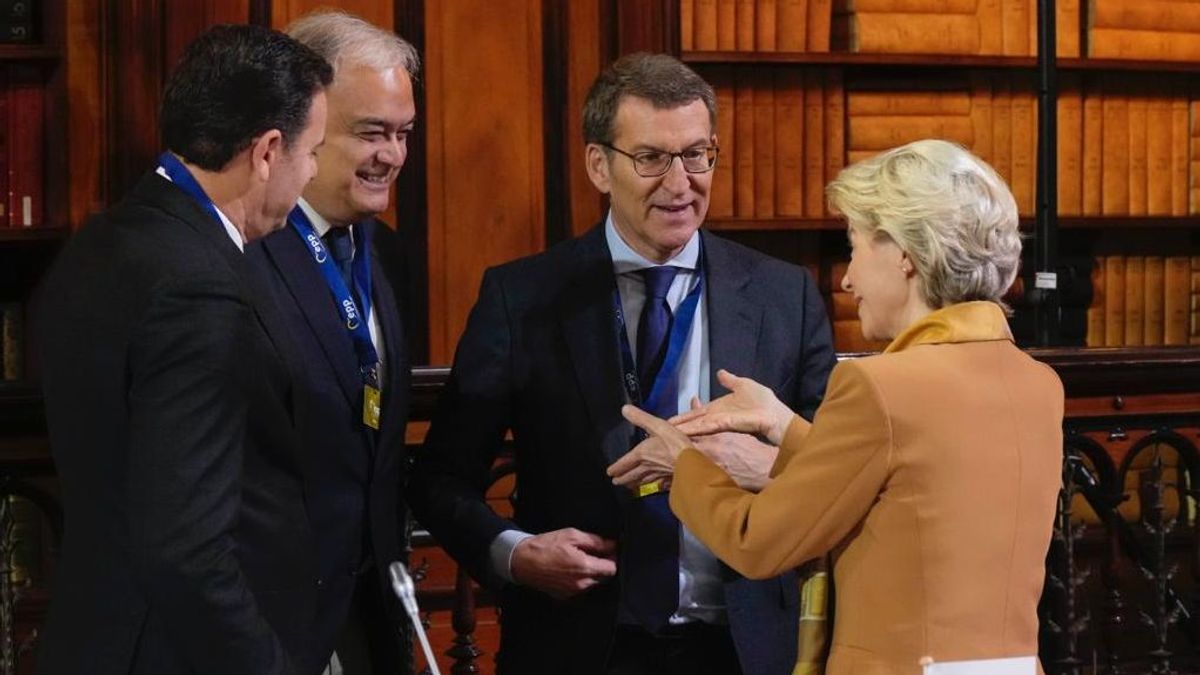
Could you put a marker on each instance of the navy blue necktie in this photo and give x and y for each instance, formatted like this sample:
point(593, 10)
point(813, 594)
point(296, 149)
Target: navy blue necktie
point(650, 543)
point(342, 250)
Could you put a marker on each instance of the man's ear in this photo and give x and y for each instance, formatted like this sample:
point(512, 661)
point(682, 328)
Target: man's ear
point(596, 161)
point(265, 151)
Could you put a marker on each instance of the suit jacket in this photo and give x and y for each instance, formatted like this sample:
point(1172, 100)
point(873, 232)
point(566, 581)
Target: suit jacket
point(169, 401)
point(933, 471)
point(540, 357)
point(354, 484)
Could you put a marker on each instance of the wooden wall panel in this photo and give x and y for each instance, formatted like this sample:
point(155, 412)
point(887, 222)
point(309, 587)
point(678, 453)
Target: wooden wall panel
point(647, 26)
point(87, 143)
point(378, 12)
point(134, 76)
point(184, 22)
point(587, 52)
point(119, 55)
point(485, 169)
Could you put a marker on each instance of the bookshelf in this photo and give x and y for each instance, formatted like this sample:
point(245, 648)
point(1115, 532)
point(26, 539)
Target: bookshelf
point(997, 71)
point(33, 226)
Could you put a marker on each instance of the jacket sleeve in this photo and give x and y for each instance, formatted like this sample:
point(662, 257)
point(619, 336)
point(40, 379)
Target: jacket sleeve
point(188, 420)
point(826, 479)
point(453, 469)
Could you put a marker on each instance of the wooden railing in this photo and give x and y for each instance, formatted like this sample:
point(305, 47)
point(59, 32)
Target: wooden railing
point(1123, 571)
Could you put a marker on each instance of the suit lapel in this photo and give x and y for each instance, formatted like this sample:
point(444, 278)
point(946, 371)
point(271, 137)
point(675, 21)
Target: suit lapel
point(589, 327)
point(734, 319)
point(294, 264)
point(387, 311)
point(166, 195)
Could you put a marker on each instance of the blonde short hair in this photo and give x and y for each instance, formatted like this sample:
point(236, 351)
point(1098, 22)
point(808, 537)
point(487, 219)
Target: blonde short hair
point(944, 207)
point(342, 38)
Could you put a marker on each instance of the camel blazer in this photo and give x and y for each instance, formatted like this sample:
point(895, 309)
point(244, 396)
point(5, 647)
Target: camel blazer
point(932, 472)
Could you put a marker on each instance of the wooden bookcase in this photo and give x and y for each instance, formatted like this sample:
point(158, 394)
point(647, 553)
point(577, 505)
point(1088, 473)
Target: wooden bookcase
point(1078, 241)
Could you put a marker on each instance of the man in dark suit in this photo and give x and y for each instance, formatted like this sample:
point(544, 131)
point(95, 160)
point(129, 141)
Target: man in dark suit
point(169, 392)
point(643, 308)
point(357, 450)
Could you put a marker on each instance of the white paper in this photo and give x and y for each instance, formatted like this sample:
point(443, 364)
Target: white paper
point(1021, 665)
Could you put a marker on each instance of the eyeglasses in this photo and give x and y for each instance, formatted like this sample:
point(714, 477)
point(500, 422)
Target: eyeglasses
point(654, 163)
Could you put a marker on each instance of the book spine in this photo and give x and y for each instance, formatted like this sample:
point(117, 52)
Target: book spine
point(764, 145)
point(723, 178)
point(1153, 301)
point(1114, 301)
point(835, 128)
point(789, 142)
point(814, 144)
point(791, 25)
point(1135, 308)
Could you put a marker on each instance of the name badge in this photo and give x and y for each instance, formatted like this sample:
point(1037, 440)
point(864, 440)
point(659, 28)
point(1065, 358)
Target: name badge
point(371, 406)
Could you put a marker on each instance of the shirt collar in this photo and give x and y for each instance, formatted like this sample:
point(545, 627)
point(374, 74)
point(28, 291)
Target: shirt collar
point(318, 221)
point(975, 321)
point(626, 260)
point(230, 228)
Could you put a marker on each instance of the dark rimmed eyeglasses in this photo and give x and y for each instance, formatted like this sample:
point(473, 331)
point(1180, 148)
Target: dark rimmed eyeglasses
point(654, 163)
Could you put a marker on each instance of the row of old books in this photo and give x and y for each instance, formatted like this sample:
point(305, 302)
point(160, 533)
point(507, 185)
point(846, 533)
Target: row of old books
point(1127, 147)
point(755, 25)
point(18, 21)
point(22, 145)
point(781, 134)
point(998, 27)
point(785, 133)
point(1154, 30)
point(992, 114)
point(1144, 300)
point(12, 342)
point(992, 27)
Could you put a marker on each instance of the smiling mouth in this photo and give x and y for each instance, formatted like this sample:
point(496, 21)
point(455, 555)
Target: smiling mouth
point(377, 180)
point(678, 208)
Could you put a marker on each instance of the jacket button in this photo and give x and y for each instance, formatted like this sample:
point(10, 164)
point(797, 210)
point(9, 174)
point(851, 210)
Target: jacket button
point(320, 583)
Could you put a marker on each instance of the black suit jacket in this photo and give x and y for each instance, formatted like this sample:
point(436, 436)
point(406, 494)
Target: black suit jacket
point(169, 401)
point(356, 473)
point(540, 357)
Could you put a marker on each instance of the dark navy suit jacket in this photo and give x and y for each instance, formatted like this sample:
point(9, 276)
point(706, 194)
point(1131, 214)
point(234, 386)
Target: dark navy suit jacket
point(170, 402)
point(540, 358)
point(356, 473)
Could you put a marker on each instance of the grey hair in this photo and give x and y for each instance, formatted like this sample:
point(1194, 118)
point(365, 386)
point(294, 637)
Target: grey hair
point(946, 208)
point(663, 80)
point(342, 38)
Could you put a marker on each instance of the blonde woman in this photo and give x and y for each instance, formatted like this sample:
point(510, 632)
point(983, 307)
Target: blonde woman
point(931, 470)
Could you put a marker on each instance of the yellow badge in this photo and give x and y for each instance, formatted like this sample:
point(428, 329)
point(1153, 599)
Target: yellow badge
point(651, 488)
point(371, 407)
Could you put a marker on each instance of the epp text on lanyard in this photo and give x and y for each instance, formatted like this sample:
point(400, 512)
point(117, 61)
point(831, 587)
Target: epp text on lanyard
point(354, 320)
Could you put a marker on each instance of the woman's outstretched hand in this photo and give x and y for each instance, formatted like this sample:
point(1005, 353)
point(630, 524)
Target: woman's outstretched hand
point(749, 407)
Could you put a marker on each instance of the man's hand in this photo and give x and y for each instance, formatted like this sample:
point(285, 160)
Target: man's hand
point(652, 459)
point(564, 563)
point(749, 408)
point(747, 460)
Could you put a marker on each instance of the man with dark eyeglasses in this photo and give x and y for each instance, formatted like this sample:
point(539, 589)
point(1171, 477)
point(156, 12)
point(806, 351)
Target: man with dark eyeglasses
point(645, 308)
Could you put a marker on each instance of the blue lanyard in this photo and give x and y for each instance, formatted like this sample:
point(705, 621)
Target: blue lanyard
point(681, 327)
point(353, 320)
point(184, 180)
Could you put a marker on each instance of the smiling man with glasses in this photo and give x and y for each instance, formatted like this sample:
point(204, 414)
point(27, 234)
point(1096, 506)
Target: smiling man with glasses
point(644, 308)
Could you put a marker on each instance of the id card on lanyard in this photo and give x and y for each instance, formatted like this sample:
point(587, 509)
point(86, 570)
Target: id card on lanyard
point(354, 320)
point(681, 328)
